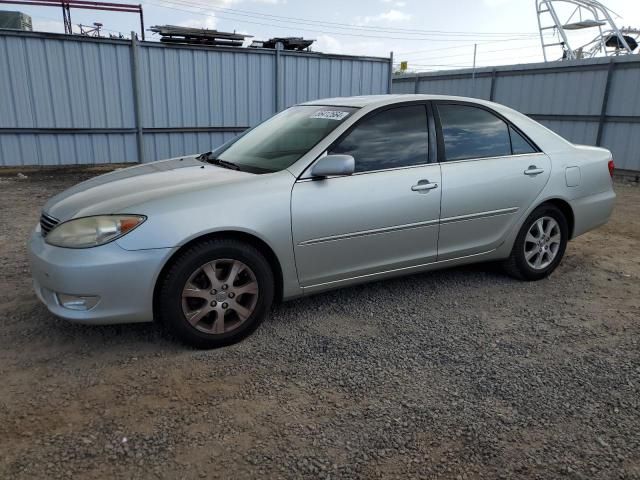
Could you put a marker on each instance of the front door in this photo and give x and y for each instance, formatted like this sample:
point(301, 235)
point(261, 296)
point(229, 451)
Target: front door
point(384, 217)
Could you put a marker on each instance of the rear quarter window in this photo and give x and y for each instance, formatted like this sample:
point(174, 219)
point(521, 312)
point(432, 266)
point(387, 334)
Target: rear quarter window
point(520, 145)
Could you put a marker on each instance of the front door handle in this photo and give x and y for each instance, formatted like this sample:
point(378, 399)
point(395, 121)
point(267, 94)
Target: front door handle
point(533, 170)
point(424, 186)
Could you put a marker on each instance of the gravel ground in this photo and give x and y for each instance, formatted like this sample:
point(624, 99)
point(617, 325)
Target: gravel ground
point(457, 374)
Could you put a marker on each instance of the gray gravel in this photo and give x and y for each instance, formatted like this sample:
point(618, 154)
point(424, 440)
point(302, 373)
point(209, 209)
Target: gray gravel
point(458, 374)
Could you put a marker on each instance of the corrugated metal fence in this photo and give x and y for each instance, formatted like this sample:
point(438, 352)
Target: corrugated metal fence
point(592, 102)
point(77, 100)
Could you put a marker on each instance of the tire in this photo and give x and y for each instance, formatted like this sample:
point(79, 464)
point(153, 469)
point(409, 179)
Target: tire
point(212, 280)
point(530, 244)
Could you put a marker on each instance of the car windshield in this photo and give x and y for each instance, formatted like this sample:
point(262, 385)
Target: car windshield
point(281, 140)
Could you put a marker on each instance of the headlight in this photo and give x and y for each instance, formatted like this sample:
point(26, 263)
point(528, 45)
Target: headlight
point(92, 231)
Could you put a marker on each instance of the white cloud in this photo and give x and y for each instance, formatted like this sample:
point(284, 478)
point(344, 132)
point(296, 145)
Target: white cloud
point(495, 3)
point(394, 16)
point(40, 25)
point(327, 44)
point(396, 3)
point(388, 16)
point(209, 22)
point(331, 44)
point(371, 48)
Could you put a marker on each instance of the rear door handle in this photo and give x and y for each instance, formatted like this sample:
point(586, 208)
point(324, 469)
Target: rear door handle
point(533, 170)
point(424, 186)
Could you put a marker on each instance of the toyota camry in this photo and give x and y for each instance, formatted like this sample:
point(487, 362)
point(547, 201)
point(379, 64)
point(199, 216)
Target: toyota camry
point(325, 194)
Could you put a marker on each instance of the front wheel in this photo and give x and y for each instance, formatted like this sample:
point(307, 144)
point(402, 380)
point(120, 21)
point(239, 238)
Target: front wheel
point(540, 244)
point(215, 293)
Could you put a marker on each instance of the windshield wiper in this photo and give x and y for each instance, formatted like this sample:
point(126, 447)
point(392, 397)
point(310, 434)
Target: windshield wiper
point(209, 158)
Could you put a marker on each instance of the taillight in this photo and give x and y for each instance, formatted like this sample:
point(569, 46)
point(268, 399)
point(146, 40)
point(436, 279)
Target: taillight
point(612, 167)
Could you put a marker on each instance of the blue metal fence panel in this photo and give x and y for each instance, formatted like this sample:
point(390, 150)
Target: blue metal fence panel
point(52, 149)
point(623, 139)
point(571, 93)
point(169, 145)
point(187, 87)
point(583, 133)
point(61, 83)
point(71, 100)
point(624, 95)
point(309, 77)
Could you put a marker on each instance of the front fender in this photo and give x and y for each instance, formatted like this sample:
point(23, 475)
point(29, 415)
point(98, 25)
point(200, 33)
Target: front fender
point(259, 207)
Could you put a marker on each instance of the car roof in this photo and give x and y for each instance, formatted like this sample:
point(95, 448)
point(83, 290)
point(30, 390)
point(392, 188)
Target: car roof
point(381, 100)
point(546, 140)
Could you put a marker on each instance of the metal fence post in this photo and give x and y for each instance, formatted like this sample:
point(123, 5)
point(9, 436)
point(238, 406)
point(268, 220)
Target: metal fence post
point(492, 90)
point(416, 84)
point(605, 102)
point(389, 86)
point(278, 83)
point(137, 105)
point(473, 72)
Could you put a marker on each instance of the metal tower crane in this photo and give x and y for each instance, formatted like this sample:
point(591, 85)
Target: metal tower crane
point(564, 17)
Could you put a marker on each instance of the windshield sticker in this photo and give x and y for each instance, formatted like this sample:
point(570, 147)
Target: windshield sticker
point(330, 114)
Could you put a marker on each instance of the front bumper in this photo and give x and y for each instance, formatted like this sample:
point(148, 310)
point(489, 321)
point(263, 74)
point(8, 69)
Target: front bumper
point(123, 280)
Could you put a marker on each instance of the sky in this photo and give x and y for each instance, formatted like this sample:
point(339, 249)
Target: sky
point(428, 34)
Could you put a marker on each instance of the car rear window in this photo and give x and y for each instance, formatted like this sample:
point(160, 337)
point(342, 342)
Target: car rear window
point(471, 132)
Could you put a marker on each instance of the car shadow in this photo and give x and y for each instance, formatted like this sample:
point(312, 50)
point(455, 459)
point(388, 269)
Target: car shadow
point(138, 337)
point(388, 290)
point(151, 337)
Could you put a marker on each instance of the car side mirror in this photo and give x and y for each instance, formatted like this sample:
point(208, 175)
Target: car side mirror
point(331, 165)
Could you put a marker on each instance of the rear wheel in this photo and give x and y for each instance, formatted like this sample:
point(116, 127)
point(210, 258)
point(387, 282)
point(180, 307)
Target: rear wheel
point(215, 293)
point(540, 244)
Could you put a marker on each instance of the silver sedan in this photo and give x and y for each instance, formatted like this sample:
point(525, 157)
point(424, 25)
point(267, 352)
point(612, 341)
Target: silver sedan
point(323, 195)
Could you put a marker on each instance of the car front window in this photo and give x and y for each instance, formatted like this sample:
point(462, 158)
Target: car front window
point(283, 139)
point(397, 137)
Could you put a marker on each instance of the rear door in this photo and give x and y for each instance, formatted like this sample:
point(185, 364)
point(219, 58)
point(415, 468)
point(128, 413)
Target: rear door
point(384, 216)
point(491, 173)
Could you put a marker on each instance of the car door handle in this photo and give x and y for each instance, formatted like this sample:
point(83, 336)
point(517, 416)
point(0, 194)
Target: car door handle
point(423, 186)
point(533, 170)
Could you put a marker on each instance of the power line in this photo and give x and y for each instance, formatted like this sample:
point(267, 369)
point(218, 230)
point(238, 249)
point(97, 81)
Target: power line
point(57, 20)
point(537, 41)
point(461, 66)
point(441, 65)
point(167, 3)
point(480, 52)
point(340, 33)
point(325, 23)
point(458, 47)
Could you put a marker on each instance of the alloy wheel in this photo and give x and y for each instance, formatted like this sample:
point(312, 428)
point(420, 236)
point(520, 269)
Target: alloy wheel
point(542, 243)
point(220, 296)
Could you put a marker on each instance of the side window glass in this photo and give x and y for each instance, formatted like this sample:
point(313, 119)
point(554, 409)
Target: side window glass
point(471, 132)
point(519, 145)
point(397, 137)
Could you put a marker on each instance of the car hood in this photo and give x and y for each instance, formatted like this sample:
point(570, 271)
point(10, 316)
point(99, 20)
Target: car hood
point(122, 190)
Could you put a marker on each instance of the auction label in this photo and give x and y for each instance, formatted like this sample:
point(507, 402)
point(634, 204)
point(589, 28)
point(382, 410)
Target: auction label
point(330, 114)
